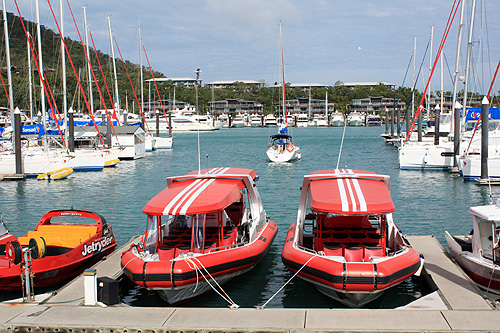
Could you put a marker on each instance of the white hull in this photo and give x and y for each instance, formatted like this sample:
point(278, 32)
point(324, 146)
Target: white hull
point(276, 154)
point(338, 123)
point(87, 160)
point(33, 165)
point(179, 125)
point(238, 124)
point(426, 156)
point(164, 143)
point(480, 269)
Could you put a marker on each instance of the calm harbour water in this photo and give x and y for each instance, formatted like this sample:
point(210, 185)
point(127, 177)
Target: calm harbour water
point(426, 202)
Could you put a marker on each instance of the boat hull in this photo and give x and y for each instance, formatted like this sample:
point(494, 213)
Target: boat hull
point(274, 154)
point(176, 279)
point(482, 271)
point(352, 283)
point(61, 262)
point(425, 157)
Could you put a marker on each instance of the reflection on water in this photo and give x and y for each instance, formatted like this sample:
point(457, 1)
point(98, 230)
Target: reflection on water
point(426, 202)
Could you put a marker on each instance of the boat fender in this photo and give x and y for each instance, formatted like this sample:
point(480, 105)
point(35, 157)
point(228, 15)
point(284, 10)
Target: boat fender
point(144, 274)
point(375, 276)
point(14, 252)
point(37, 247)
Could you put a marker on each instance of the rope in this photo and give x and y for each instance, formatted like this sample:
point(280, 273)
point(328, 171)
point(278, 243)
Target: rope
point(276, 293)
point(226, 297)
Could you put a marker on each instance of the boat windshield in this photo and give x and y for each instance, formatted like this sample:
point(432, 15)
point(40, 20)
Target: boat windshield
point(152, 234)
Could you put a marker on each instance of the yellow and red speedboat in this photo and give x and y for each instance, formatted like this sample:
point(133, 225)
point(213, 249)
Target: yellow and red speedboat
point(63, 244)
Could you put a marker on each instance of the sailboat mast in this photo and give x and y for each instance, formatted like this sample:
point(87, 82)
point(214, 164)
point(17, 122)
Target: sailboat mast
point(30, 79)
point(140, 57)
point(42, 74)
point(117, 97)
point(9, 73)
point(63, 65)
point(414, 69)
point(89, 66)
point(283, 77)
point(455, 110)
point(469, 54)
point(430, 77)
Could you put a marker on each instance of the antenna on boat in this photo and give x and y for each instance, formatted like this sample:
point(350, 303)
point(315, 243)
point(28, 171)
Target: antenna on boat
point(341, 145)
point(207, 163)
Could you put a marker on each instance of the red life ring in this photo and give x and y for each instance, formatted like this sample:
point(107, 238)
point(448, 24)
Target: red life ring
point(289, 148)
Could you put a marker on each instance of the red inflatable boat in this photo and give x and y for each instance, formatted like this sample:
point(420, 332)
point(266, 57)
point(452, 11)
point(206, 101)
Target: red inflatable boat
point(202, 230)
point(63, 244)
point(345, 241)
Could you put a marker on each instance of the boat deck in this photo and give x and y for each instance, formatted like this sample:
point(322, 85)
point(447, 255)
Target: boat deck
point(456, 306)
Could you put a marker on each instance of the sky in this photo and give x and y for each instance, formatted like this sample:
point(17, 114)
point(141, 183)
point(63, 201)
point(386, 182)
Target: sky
point(323, 41)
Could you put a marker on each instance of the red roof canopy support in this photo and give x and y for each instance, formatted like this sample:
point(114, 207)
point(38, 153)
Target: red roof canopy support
point(349, 192)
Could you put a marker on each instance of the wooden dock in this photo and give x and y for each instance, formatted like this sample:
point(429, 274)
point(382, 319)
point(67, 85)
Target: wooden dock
point(458, 305)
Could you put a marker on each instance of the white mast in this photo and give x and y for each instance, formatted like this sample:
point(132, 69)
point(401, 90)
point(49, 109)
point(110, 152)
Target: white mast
point(326, 105)
point(117, 97)
point(140, 57)
point(42, 74)
point(414, 69)
point(283, 78)
point(469, 54)
point(30, 78)
point(430, 77)
point(63, 65)
point(89, 65)
point(9, 73)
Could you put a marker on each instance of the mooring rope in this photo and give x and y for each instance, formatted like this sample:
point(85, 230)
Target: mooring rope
point(276, 293)
point(226, 297)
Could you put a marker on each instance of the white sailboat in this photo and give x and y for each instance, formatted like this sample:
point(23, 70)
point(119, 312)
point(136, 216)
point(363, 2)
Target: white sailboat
point(281, 147)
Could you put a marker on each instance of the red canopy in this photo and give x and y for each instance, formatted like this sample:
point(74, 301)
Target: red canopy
point(349, 192)
point(199, 195)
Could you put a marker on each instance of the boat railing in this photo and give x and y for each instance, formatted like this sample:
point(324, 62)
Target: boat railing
point(306, 249)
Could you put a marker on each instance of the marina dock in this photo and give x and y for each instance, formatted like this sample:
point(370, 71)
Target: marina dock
point(458, 305)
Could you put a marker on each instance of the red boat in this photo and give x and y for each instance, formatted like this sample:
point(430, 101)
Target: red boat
point(345, 241)
point(202, 230)
point(63, 244)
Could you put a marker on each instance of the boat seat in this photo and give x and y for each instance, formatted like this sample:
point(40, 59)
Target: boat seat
point(357, 236)
point(353, 254)
point(69, 236)
point(340, 235)
point(333, 250)
point(374, 236)
point(351, 244)
point(373, 251)
point(166, 252)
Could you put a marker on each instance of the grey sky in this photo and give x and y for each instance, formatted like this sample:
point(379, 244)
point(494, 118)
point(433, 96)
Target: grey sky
point(324, 41)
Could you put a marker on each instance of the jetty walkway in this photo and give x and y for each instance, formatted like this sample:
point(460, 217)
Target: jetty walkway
point(457, 305)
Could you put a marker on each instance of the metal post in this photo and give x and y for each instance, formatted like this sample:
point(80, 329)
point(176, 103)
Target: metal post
point(392, 122)
point(456, 134)
point(407, 120)
point(157, 123)
point(419, 128)
point(125, 120)
point(436, 125)
point(170, 123)
point(17, 142)
point(386, 121)
point(71, 130)
point(108, 133)
point(485, 106)
point(398, 121)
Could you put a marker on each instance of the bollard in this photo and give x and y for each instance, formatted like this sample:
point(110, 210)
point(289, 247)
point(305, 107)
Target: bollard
point(90, 286)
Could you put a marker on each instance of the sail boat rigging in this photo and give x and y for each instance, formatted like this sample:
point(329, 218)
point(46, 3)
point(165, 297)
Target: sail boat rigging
point(281, 147)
